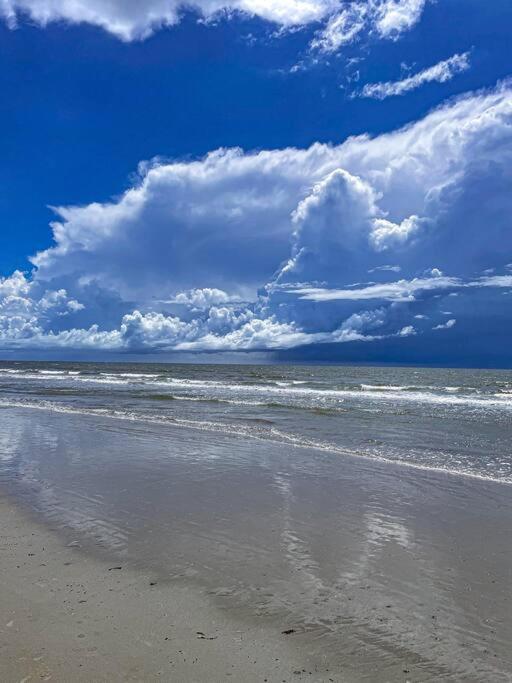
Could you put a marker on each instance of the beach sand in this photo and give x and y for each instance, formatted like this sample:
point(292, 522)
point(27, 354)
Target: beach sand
point(242, 560)
point(69, 617)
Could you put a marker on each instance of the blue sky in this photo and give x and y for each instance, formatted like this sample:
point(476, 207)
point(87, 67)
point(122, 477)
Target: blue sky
point(208, 193)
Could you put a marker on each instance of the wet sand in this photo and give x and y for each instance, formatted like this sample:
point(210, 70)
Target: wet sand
point(380, 572)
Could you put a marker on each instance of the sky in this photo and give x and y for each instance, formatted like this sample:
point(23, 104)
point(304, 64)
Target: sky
point(288, 180)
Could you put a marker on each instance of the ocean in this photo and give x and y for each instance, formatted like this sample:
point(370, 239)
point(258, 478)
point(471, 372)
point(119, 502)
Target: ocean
point(458, 421)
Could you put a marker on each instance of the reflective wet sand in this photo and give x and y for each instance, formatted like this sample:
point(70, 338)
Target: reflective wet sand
point(369, 563)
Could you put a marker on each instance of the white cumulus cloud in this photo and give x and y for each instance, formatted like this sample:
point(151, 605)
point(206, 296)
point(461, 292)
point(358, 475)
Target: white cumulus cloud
point(202, 297)
point(393, 17)
point(26, 309)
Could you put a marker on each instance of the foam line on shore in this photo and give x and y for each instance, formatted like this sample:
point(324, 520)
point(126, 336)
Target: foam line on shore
point(272, 435)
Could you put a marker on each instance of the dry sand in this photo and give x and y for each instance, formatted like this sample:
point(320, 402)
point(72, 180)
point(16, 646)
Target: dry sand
point(67, 617)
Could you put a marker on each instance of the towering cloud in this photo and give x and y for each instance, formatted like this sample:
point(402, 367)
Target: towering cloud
point(274, 249)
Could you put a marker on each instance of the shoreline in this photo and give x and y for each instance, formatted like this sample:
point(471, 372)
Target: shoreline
point(331, 449)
